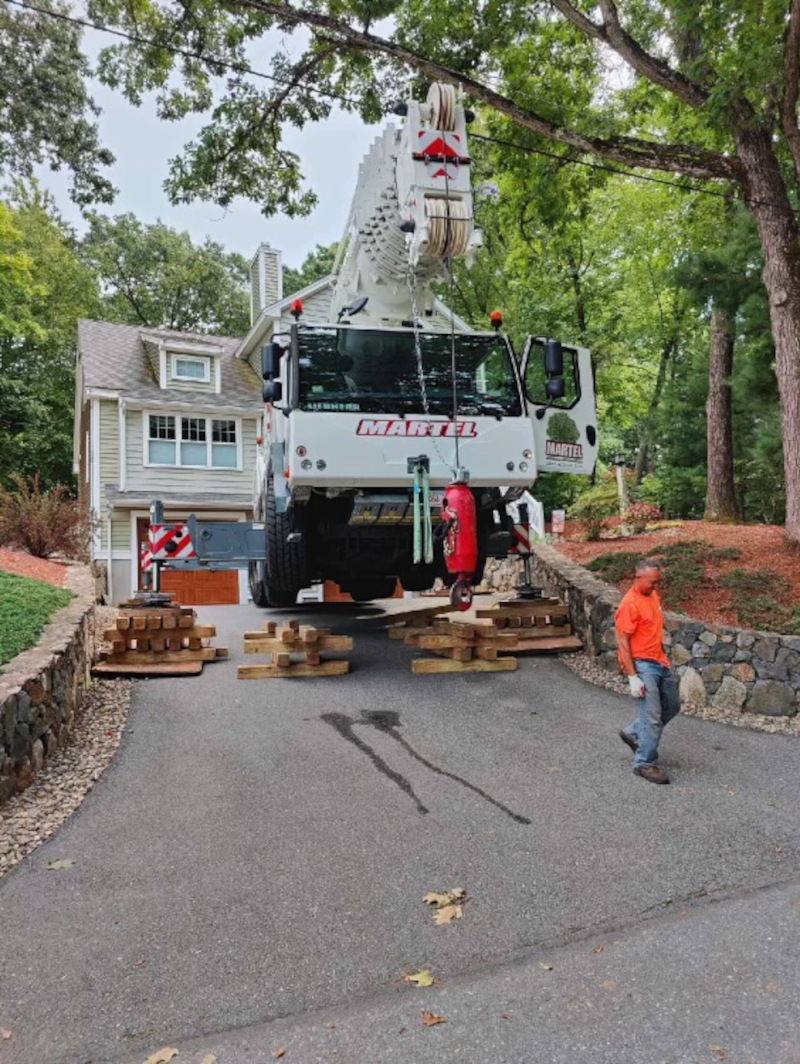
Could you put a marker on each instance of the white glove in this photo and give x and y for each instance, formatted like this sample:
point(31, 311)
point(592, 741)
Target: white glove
point(637, 686)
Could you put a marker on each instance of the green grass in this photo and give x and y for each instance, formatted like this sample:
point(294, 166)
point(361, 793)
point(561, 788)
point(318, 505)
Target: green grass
point(25, 607)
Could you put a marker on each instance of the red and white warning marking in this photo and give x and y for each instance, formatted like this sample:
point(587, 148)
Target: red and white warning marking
point(168, 542)
point(521, 543)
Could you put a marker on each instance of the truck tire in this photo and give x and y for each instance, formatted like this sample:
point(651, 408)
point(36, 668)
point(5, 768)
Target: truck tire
point(376, 588)
point(255, 578)
point(286, 569)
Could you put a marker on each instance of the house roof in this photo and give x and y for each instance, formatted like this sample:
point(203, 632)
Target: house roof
point(114, 358)
point(178, 496)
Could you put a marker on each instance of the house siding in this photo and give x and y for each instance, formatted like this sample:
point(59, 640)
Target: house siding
point(108, 453)
point(121, 531)
point(171, 480)
point(196, 387)
point(316, 311)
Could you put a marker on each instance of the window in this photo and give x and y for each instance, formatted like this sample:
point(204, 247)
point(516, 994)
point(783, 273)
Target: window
point(203, 442)
point(162, 440)
point(185, 368)
point(536, 379)
point(223, 444)
point(193, 441)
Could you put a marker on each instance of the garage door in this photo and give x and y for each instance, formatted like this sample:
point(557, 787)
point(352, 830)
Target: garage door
point(196, 587)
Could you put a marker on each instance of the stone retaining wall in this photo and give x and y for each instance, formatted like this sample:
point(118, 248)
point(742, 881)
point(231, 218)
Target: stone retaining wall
point(732, 668)
point(41, 688)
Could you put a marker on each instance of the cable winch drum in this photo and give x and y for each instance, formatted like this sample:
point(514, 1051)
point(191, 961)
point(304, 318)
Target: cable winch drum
point(442, 99)
point(448, 227)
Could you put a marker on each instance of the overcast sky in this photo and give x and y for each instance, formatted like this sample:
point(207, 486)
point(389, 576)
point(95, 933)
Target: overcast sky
point(330, 153)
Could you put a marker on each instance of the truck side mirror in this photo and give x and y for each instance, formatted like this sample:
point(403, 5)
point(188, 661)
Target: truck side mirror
point(270, 360)
point(553, 359)
point(554, 389)
point(272, 392)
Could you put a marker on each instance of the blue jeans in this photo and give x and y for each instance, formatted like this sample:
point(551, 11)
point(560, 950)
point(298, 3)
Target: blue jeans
point(660, 704)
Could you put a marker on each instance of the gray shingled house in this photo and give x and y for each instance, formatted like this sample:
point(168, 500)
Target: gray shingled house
point(169, 415)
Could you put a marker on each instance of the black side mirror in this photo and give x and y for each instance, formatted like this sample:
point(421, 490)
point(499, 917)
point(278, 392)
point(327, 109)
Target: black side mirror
point(272, 392)
point(553, 359)
point(554, 389)
point(270, 360)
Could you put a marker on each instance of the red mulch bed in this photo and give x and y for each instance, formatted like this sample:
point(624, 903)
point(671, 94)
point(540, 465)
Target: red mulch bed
point(13, 561)
point(762, 547)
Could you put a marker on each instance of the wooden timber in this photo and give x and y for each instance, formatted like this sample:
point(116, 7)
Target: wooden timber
point(295, 650)
point(175, 668)
point(426, 666)
point(301, 669)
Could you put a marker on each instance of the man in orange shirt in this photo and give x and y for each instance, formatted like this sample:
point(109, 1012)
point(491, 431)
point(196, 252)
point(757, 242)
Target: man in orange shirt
point(640, 629)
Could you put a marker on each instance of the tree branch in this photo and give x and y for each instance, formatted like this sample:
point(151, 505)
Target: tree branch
point(791, 85)
point(629, 151)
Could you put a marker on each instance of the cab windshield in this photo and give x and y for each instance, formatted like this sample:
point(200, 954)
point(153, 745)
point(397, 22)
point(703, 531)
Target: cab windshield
point(378, 371)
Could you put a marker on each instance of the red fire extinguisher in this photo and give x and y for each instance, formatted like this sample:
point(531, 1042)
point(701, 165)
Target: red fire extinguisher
point(460, 542)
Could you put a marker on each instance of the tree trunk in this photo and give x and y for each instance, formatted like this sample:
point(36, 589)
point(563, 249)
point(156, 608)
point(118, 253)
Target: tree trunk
point(640, 469)
point(769, 205)
point(720, 495)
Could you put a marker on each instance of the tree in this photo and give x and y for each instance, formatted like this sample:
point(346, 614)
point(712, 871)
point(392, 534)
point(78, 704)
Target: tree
point(44, 290)
point(712, 95)
point(46, 115)
point(316, 265)
point(153, 275)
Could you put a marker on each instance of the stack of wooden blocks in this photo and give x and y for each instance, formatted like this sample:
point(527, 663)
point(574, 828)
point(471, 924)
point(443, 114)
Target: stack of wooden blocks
point(460, 646)
point(295, 650)
point(539, 625)
point(157, 641)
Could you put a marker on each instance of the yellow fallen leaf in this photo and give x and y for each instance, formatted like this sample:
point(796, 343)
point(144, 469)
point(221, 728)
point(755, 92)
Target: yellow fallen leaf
point(547, 967)
point(447, 914)
point(718, 1052)
point(421, 978)
point(438, 899)
point(163, 1056)
point(209, 1058)
point(430, 1019)
point(278, 1053)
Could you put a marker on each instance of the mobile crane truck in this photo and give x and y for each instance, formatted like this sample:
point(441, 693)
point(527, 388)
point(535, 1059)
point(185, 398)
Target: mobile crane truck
point(393, 441)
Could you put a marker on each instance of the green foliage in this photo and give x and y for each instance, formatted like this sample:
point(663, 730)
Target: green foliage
point(316, 265)
point(594, 507)
point(47, 116)
point(153, 275)
point(639, 514)
point(615, 566)
point(43, 522)
point(25, 607)
point(44, 289)
point(763, 612)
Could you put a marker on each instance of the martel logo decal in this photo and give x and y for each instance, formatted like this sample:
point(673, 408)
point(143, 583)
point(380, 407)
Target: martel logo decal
point(409, 427)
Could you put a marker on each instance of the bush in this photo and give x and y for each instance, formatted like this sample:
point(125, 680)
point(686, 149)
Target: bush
point(43, 522)
point(615, 567)
point(639, 514)
point(594, 508)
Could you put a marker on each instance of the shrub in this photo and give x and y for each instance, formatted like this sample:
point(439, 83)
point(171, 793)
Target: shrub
point(615, 567)
point(593, 509)
point(639, 514)
point(43, 522)
point(25, 608)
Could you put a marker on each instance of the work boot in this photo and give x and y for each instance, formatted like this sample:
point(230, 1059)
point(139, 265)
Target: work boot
point(628, 740)
point(652, 773)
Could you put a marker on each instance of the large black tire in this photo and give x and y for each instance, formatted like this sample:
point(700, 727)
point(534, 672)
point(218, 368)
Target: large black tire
point(368, 589)
point(286, 564)
point(255, 578)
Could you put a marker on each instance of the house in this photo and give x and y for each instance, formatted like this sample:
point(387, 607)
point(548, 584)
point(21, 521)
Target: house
point(176, 416)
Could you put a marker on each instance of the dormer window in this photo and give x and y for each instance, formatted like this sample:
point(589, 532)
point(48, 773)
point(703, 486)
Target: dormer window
point(191, 368)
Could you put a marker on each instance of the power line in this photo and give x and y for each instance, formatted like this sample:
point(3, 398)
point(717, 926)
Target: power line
point(243, 68)
point(226, 65)
point(599, 166)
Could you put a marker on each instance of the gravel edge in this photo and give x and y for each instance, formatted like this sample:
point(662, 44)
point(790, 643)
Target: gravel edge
point(588, 669)
point(30, 818)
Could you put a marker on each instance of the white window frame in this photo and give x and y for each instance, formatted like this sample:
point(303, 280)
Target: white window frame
point(208, 418)
point(204, 360)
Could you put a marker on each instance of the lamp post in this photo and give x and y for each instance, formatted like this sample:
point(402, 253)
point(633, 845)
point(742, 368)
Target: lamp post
point(619, 465)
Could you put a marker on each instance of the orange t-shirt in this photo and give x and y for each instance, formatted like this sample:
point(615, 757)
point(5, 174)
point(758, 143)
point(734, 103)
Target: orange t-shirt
point(639, 617)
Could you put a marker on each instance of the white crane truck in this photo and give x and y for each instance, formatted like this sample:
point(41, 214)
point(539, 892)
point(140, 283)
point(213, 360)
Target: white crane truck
point(370, 417)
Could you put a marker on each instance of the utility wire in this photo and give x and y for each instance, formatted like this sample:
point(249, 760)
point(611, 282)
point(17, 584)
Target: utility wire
point(243, 68)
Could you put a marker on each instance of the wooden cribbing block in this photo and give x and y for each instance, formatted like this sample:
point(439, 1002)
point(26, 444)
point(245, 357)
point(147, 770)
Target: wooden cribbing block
point(454, 653)
point(194, 643)
point(139, 623)
point(117, 646)
point(158, 643)
point(283, 659)
point(163, 668)
point(265, 672)
point(200, 631)
point(154, 622)
point(268, 626)
point(541, 646)
point(220, 653)
point(123, 623)
point(267, 645)
point(486, 653)
point(424, 666)
point(174, 642)
point(312, 657)
point(169, 622)
point(441, 642)
point(408, 631)
point(142, 644)
point(149, 657)
point(530, 610)
point(186, 620)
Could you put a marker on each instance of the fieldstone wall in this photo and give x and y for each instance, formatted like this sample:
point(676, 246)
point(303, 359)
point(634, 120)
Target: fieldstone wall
point(41, 688)
point(732, 668)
